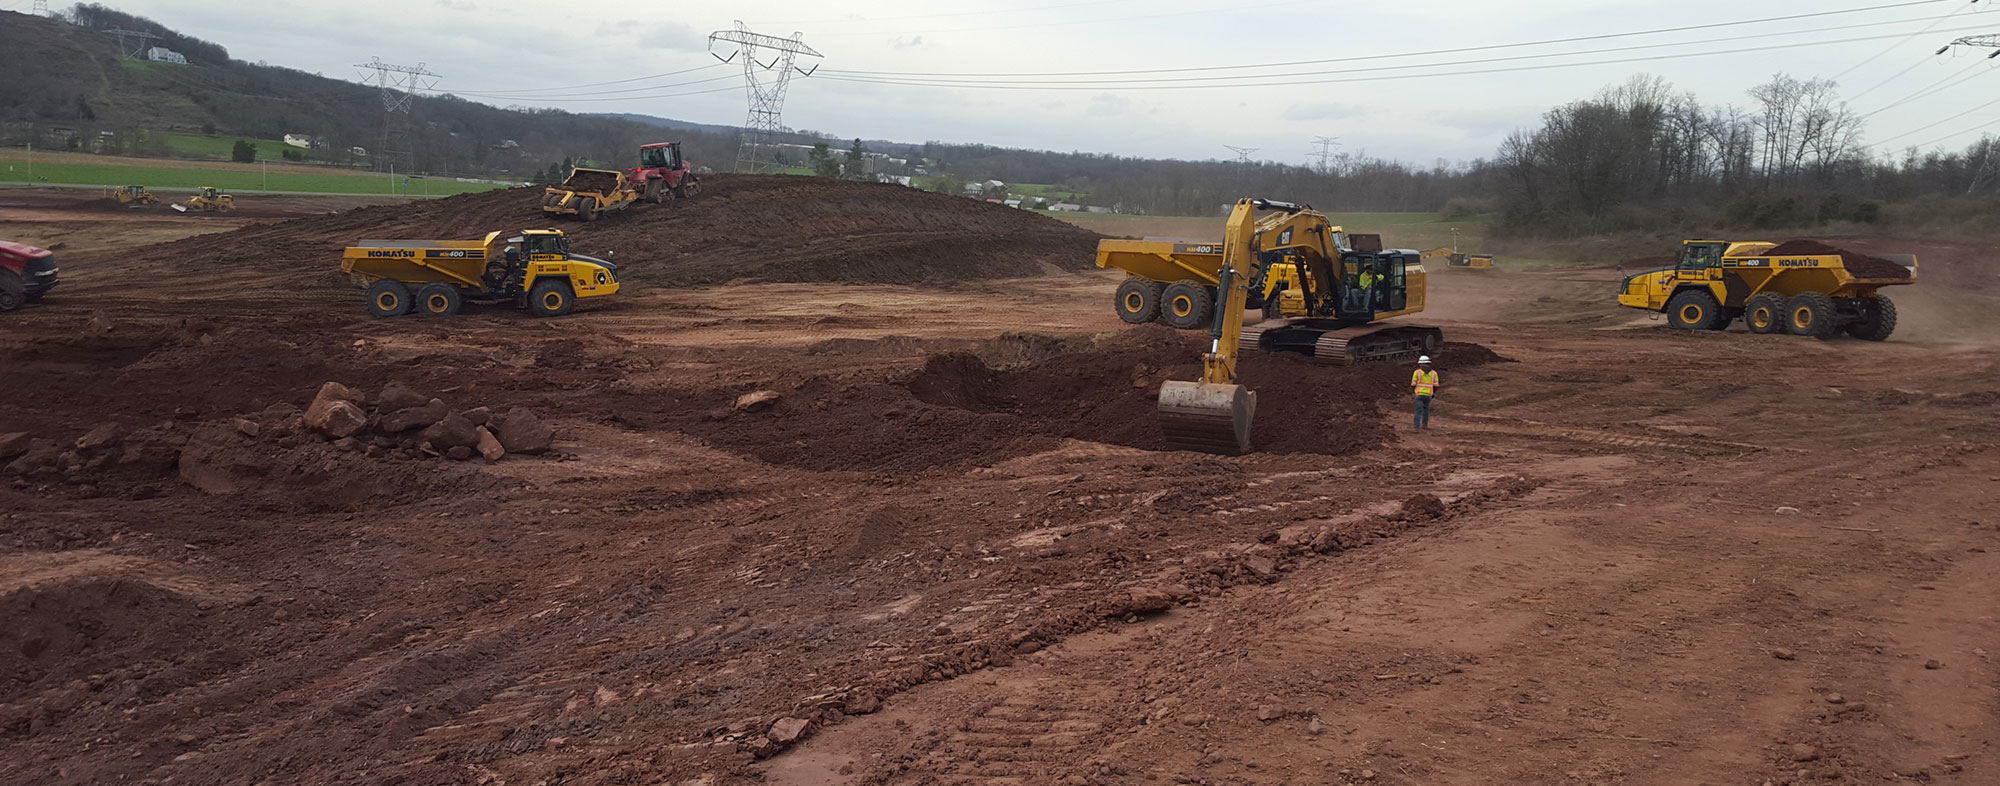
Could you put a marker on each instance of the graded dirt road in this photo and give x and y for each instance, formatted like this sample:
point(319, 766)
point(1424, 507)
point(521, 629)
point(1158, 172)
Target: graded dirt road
point(953, 552)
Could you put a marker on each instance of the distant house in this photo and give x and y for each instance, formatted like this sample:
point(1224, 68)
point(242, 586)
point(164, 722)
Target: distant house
point(302, 141)
point(359, 151)
point(161, 54)
point(995, 184)
point(1013, 203)
point(1066, 207)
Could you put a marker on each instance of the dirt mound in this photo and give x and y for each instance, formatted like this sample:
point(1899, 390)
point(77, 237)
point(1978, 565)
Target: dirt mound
point(70, 627)
point(1856, 262)
point(595, 181)
point(960, 410)
point(768, 227)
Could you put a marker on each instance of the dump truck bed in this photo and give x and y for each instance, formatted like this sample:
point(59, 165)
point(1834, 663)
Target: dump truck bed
point(419, 261)
point(1164, 260)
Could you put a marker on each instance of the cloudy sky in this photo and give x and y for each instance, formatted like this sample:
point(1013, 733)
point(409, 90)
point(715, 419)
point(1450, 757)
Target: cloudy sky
point(1419, 81)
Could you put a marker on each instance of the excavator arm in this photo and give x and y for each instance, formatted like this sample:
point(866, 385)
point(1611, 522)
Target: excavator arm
point(1214, 415)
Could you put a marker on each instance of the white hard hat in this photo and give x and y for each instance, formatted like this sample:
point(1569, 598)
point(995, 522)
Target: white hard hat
point(1424, 359)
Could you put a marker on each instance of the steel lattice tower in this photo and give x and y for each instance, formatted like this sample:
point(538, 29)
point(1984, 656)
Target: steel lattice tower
point(399, 86)
point(766, 83)
point(1242, 153)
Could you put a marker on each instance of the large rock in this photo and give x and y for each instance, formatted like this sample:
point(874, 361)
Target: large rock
point(13, 445)
point(395, 396)
point(520, 431)
point(788, 730)
point(102, 437)
point(337, 419)
point(415, 417)
point(757, 401)
point(489, 445)
point(336, 411)
point(453, 431)
point(42, 455)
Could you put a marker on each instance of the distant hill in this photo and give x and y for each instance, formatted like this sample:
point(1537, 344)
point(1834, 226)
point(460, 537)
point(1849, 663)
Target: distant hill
point(664, 122)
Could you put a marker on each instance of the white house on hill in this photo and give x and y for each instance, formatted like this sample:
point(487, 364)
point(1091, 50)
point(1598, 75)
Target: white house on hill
point(161, 54)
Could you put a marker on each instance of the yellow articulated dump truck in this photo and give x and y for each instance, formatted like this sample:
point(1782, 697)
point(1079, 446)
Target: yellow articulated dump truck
point(1801, 287)
point(533, 269)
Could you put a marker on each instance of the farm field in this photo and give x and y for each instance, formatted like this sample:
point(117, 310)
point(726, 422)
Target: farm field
point(84, 169)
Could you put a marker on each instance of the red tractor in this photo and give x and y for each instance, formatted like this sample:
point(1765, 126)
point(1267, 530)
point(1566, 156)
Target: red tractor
point(662, 171)
point(26, 274)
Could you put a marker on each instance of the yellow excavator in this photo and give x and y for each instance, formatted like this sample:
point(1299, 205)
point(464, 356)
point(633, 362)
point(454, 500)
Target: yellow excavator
point(1320, 296)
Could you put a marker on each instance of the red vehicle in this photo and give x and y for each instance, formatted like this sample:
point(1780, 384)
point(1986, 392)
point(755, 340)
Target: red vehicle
point(26, 274)
point(662, 171)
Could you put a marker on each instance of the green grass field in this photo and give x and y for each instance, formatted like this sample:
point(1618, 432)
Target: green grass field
point(229, 177)
point(220, 147)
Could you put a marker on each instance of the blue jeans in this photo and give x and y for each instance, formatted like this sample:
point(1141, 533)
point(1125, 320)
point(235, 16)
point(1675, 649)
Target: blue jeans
point(1423, 412)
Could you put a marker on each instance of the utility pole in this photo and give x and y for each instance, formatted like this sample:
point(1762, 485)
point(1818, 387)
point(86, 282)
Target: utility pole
point(1325, 151)
point(399, 85)
point(767, 82)
point(1242, 153)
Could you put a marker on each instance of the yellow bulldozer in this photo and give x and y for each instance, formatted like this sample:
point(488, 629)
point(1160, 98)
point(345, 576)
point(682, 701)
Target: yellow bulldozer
point(1320, 297)
point(210, 200)
point(1453, 258)
point(533, 269)
point(1802, 287)
point(133, 196)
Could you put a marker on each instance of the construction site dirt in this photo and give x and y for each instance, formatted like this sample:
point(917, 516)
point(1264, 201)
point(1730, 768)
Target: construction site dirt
point(857, 485)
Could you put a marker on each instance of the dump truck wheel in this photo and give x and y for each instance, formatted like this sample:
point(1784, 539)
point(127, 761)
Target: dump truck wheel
point(439, 300)
point(1877, 322)
point(1693, 309)
point(551, 297)
point(13, 293)
point(388, 298)
point(1811, 314)
point(1766, 314)
point(1138, 301)
point(1186, 305)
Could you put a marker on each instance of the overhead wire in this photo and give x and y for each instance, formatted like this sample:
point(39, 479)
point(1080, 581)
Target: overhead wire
point(594, 84)
point(1260, 7)
point(1295, 82)
point(1453, 50)
point(1894, 44)
point(566, 96)
point(1936, 123)
point(1933, 88)
point(1512, 58)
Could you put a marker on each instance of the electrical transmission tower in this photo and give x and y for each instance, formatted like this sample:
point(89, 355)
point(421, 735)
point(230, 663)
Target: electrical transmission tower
point(1242, 153)
point(41, 7)
point(1988, 41)
point(766, 81)
point(399, 86)
point(1326, 145)
point(131, 43)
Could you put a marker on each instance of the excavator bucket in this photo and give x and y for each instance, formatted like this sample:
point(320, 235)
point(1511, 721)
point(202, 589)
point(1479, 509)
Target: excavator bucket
point(1207, 417)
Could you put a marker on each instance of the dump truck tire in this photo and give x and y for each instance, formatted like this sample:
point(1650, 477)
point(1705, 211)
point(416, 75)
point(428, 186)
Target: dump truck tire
point(439, 300)
point(388, 298)
point(1765, 314)
point(1693, 309)
point(13, 293)
point(1138, 301)
point(1186, 305)
point(1877, 322)
point(551, 297)
point(1811, 314)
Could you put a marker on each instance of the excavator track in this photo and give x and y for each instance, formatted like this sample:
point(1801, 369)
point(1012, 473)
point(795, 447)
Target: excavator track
point(1329, 342)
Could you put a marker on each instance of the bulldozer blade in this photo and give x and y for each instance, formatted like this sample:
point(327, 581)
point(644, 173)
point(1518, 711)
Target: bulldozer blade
point(1207, 417)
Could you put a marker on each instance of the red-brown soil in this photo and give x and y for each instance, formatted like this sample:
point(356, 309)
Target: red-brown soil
point(951, 553)
point(1859, 264)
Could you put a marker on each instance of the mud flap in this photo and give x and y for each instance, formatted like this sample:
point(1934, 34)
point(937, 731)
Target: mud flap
point(1206, 417)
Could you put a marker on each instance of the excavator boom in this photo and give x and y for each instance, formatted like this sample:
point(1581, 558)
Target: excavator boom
point(1214, 415)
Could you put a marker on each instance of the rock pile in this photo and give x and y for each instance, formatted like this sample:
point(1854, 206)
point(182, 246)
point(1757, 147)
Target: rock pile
point(402, 423)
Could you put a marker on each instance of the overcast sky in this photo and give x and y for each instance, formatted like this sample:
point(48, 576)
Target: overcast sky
point(521, 48)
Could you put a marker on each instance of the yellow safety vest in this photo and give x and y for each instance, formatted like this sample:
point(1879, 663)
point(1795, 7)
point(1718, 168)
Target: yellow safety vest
point(1425, 381)
point(1368, 280)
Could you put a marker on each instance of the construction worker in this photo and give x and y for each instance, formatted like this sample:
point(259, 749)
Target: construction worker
point(1361, 296)
point(1424, 381)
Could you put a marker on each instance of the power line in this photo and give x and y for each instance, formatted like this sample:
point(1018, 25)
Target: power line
point(1253, 8)
point(564, 100)
point(592, 84)
point(1453, 50)
point(1242, 153)
point(1290, 83)
point(851, 20)
point(1473, 61)
point(572, 96)
point(1927, 91)
point(1893, 45)
point(1934, 124)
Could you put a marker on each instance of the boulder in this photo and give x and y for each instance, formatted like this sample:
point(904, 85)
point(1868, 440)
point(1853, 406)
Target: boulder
point(104, 436)
point(489, 445)
point(520, 431)
point(788, 730)
point(757, 401)
point(13, 445)
point(42, 455)
point(479, 416)
point(453, 431)
point(395, 396)
point(415, 417)
point(336, 419)
point(458, 453)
